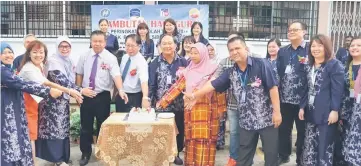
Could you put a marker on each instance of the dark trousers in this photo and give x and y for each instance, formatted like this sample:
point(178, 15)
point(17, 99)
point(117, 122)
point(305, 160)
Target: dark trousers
point(289, 114)
point(339, 158)
point(134, 100)
point(179, 120)
point(249, 140)
point(98, 107)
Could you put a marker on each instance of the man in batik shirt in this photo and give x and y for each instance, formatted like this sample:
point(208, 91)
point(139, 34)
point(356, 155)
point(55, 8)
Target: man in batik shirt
point(255, 90)
point(291, 62)
point(162, 74)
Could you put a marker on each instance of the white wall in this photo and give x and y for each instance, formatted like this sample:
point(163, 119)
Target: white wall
point(79, 46)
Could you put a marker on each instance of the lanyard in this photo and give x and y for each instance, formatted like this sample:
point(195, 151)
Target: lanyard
point(243, 80)
point(314, 73)
point(292, 57)
point(351, 76)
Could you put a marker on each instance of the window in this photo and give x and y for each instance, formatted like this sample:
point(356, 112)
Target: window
point(258, 20)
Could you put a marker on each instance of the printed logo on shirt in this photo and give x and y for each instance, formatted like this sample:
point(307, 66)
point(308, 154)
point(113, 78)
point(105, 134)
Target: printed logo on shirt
point(134, 13)
point(105, 12)
point(164, 13)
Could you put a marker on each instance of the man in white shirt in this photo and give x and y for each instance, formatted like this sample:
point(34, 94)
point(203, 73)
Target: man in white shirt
point(134, 70)
point(99, 70)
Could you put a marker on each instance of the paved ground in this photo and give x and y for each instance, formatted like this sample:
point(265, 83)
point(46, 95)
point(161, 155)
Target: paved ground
point(221, 158)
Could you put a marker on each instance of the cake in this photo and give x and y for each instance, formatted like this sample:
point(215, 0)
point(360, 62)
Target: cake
point(142, 115)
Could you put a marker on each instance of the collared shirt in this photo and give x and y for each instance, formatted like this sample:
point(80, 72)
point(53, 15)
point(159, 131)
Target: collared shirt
point(327, 89)
point(112, 44)
point(107, 70)
point(17, 62)
point(256, 111)
point(133, 80)
point(223, 66)
point(147, 50)
point(342, 55)
point(159, 72)
point(32, 73)
point(292, 84)
point(274, 67)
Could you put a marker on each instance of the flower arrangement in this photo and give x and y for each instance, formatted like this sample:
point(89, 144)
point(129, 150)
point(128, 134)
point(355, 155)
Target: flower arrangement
point(256, 83)
point(302, 60)
point(133, 72)
point(105, 66)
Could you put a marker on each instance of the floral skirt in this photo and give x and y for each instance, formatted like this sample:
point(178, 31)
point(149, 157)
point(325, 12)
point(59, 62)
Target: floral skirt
point(319, 145)
point(352, 143)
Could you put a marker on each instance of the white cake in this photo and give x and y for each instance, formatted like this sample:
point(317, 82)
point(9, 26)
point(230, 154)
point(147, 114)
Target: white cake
point(141, 115)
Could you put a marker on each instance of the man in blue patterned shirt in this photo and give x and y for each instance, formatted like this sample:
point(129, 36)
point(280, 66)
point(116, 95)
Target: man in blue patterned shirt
point(162, 75)
point(255, 90)
point(291, 62)
point(343, 53)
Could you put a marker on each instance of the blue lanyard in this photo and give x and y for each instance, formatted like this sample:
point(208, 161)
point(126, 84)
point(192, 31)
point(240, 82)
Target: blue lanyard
point(243, 80)
point(294, 54)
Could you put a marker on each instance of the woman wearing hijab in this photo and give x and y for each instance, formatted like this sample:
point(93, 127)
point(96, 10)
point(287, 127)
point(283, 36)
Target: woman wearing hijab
point(53, 142)
point(213, 57)
point(32, 69)
point(15, 142)
point(202, 118)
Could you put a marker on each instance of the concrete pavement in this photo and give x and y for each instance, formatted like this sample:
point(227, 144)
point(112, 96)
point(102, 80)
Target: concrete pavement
point(221, 157)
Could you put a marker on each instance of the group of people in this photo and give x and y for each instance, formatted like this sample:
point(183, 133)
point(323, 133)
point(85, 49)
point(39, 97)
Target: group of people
point(302, 82)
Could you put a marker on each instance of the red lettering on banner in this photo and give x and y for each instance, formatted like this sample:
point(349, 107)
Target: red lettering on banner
point(114, 24)
point(189, 23)
point(153, 23)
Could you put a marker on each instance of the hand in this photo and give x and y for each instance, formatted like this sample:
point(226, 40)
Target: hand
point(188, 96)
point(157, 106)
point(277, 119)
point(76, 95)
point(124, 96)
point(88, 92)
point(188, 105)
point(55, 93)
point(301, 114)
point(333, 117)
point(145, 103)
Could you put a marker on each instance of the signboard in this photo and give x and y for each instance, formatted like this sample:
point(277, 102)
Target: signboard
point(124, 19)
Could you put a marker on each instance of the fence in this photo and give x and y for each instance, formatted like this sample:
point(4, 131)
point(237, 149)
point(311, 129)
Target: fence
point(258, 20)
point(345, 21)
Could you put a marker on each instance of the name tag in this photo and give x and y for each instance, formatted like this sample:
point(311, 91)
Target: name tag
point(243, 97)
point(358, 98)
point(352, 93)
point(288, 69)
point(311, 99)
point(169, 79)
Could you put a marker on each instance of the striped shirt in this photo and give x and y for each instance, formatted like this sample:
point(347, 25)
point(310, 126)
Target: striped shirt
point(223, 66)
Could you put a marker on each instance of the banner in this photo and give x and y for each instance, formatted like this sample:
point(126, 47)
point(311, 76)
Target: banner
point(124, 19)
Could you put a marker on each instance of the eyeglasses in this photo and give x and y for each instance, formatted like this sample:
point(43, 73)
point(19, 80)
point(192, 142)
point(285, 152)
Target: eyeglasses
point(130, 46)
point(64, 47)
point(293, 30)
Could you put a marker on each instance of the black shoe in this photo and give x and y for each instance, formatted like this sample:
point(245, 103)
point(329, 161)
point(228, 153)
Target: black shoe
point(178, 161)
point(283, 160)
point(84, 160)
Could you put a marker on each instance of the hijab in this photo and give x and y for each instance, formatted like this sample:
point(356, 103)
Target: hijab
point(197, 75)
point(62, 63)
point(3, 46)
point(215, 59)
